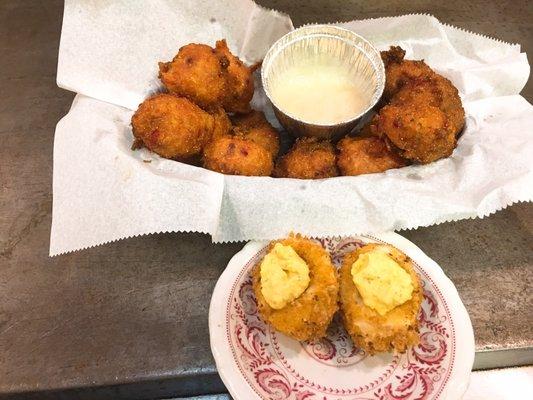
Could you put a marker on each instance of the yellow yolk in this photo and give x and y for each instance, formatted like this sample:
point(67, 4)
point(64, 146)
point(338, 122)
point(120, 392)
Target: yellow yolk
point(381, 282)
point(284, 276)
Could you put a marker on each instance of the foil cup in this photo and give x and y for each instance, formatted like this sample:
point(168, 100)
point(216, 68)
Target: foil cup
point(315, 44)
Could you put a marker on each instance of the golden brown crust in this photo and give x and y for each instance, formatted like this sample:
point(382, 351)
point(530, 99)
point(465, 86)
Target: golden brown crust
point(245, 148)
point(394, 55)
point(309, 158)
point(420, 132)
point(210, 77)
point(221, 123)
point(249, 121)
point(197, 73)
point(398, 71)
point(239, 80)
point(234, 155)
point(255, 127)
point(424, 115)
point(366, 155)
point(171, 126)
point(436, 91)
point(308, 316)
point(398, 329)
point(264, 137)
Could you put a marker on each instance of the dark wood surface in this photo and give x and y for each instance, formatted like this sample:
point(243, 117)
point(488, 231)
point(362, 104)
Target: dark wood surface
point(129, 319)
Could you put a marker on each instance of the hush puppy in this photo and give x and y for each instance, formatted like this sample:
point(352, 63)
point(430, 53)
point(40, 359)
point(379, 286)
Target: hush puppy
point(210, 77)
point(424, 115)
point(234, 155)
point(309, 158)
point(419, 132)
point(366, 155)
point(438, 92)
point(399, 71)
point(171, 126)
point(255, 127)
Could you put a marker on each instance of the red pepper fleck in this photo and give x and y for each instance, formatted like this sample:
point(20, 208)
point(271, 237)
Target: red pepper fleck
point(153, 137)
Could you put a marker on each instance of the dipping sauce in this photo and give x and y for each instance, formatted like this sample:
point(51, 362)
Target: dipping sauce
point(319, 94)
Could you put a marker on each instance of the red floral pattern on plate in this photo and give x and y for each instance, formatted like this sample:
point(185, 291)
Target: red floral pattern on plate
point(279, 368)
point(335, 350)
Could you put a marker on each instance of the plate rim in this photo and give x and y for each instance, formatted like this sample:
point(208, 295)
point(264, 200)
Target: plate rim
point(240, 389)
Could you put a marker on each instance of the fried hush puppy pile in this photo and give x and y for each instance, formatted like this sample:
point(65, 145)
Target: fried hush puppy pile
point(190, 123)
point(419, 122)
point(206, 117)
point(301, 301)
point(424, 114)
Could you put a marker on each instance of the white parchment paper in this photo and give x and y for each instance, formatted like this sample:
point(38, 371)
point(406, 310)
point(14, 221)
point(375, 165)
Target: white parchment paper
point(103, 191)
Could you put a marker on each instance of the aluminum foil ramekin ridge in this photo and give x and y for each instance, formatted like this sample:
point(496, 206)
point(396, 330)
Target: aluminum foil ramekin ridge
point(313, 44)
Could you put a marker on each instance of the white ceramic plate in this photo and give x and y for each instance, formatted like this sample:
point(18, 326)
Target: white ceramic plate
point(256, 362)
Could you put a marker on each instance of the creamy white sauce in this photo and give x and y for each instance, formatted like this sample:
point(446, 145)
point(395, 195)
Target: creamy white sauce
point(319, 94)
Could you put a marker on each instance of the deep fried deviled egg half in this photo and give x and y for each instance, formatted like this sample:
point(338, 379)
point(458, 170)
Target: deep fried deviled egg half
point(296, 287)
point(380, 297)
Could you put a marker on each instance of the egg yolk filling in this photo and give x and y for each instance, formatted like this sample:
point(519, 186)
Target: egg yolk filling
point(382, 283)
point(284, 276)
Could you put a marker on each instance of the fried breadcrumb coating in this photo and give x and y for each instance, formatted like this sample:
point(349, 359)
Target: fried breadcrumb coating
point(255, 127)
point(222, 124)
point(240, 83)
point(309, 158)
point(399, 71)
point(396, 330)
point(210, 77)
point(308, 316)
point(436, 91)
point(171, 126)
point(394, 55)
point(420, 133)
point(235, 155)
point(366, 155)
point(424, 115)
point(197, 73)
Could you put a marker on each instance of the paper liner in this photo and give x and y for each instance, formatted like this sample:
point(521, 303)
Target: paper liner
point(104, 192)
